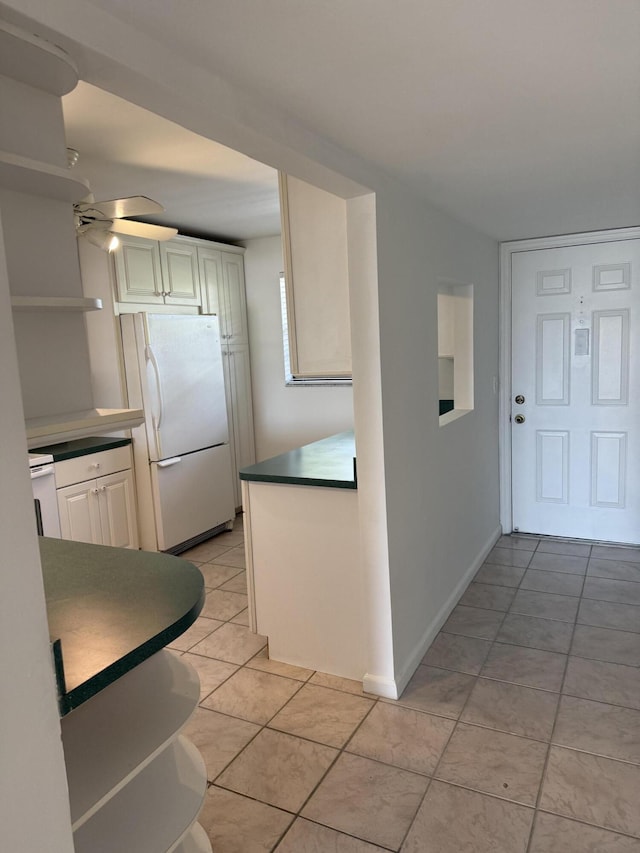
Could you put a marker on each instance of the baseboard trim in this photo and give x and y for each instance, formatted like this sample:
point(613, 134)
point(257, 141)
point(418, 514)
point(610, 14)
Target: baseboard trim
point(395, 687)
point(380, 686)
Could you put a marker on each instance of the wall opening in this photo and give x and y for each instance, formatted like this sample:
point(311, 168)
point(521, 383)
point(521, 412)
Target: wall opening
point(455, 350)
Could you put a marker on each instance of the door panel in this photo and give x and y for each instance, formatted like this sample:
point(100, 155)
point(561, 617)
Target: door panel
point(575, 440)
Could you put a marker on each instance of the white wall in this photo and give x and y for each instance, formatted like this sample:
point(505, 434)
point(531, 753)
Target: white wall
point(285, 417)
point(34, 806)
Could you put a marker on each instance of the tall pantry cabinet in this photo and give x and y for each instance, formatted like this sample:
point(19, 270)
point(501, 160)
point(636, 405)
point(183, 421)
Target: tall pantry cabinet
point(189, 275)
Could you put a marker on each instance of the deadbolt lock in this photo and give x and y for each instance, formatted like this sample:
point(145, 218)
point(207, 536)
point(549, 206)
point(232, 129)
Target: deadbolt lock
point(519, 419)
point(519, 399)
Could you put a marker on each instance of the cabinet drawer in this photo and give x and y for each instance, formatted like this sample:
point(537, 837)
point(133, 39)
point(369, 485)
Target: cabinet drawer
point(93, 465)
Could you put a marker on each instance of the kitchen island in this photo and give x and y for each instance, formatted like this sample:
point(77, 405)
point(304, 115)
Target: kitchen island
point(304, 572)
point(134, 782)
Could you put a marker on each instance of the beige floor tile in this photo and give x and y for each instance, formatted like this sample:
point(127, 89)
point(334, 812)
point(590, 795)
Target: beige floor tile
point(614, 570)
point(604, 614)
point(438, 691)
point(200, 629)
point(295, 767)
point(232, 643)
point(455, 820)
point(372, 801)
point(206, 551)
point(320, 714)
point(403, 737)
point(223, 605)
point(536, 633)
point(232, 538)
point(473, 622)
point(500, 556)
point(307, 837)
point(599, 728)
point(606, 644)
point(597, 790)
point(499, 575)
point(211, 672)
point(252, 695)
point(494, 763)
point(545, 605)
point(603, 682)
point(612, 552)
point(233, 557)
point(622, 592)
point(567, 549)
point(529, 667)
point(237, 824)
point(512, 708)
point(553, 834)
point(559, 563)
point(347, 685)
point(262, 662)
point(242, 618)
point(462, 654)
point(215, 575)
point(489, 596)
point(218, 737)
point(517, 543)
point(560, 583)
point(237, 583)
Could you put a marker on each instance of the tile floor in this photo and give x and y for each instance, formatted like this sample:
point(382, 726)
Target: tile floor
point(519, 732)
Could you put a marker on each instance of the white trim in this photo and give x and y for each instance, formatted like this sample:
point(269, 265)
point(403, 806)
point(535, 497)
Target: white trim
point(506, 251)
point(392, 689)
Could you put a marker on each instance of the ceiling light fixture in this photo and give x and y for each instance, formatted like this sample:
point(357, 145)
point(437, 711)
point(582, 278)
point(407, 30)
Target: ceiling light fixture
point(105, 240)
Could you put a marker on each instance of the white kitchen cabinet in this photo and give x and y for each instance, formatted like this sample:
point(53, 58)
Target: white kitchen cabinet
point(100, 510)
point(223, 293)
point(152, 273)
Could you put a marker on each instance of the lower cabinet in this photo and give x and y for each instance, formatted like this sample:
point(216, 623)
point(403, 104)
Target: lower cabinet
point(100, 510)
point(237, 380)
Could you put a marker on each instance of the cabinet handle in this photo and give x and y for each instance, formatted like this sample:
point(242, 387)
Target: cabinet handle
point(95, 491)
point(95, 465)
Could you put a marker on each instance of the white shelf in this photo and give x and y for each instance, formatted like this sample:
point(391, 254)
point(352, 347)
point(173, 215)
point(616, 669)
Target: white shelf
point(111, 738)
point(196, 841)
point(64, 427)
point(36, 62)
point(55, 303)
point(34, 177)
point(152, 813)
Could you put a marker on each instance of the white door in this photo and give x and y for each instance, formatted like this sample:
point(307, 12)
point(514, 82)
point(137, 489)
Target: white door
point(79, 512)
point(575, 432)
point(117, 510)
point(180, 274)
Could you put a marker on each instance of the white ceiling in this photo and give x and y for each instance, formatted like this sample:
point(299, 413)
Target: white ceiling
point(207, 189)
point(521, 117)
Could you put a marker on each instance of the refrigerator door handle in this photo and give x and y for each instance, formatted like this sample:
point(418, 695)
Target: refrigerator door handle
point(156, 421)
point(167, 463)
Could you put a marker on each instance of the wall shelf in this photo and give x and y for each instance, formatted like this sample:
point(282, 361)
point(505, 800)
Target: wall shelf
point(36, 62)
point(24, 175)
point(55, 303)
point(64, 427)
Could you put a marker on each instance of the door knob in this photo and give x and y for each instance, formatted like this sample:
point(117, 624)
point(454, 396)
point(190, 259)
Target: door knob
point(519, 419)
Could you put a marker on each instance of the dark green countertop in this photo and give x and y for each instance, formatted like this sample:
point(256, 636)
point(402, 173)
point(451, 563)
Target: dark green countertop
point(329, 462)
point(81, 447)
point(111, 609)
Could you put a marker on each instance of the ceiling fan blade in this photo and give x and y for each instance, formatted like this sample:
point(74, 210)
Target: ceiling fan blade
point(143, 229)
point(137, 205)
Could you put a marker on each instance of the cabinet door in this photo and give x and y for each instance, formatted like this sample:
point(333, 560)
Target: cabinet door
point(79, 511)
point(241, 411)
point(228, 393)
point(235, 305)
point(117, 510)
point(210, 265)
point(138, 273)
point(180, 275)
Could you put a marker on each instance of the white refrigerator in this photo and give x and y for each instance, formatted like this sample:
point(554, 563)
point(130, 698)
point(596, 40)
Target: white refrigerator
point(173, 368)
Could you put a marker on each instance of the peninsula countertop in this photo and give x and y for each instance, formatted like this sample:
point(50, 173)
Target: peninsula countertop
point(330, 462)
point(111, 609)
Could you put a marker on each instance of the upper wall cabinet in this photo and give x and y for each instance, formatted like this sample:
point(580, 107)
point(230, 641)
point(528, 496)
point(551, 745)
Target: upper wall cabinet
point(314, 230)
point(151, 273)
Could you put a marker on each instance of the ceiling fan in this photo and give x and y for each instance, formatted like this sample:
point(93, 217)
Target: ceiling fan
point(101, 221)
